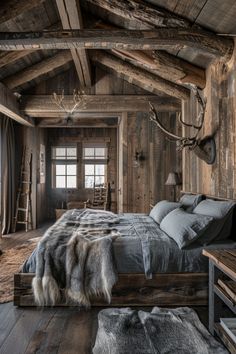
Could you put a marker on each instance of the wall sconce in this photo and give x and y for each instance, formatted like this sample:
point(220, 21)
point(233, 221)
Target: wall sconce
point(138, 158)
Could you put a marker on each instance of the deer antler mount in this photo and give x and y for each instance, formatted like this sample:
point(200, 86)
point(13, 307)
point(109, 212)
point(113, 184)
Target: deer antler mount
point(204, 148)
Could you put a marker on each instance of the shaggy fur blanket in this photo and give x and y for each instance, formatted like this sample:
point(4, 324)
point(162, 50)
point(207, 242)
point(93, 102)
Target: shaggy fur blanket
point(78, 259)
point(162, 331)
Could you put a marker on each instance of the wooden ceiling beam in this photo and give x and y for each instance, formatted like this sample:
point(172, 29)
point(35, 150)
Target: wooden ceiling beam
point(69, 11)
point(7, 58)
point(165, 65)
point(109, 122)
point(10, 107)
point(162, 63)
point(44, 107)
point(140, 13)
point(162, 38)
point(38, 70)
point(13, 8)
point(140, 77)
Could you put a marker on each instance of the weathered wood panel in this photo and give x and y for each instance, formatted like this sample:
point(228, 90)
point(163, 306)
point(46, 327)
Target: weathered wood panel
point(161, 38)
point(44, 106)
point(218, 179)
point(137, 187)
point(172, 289)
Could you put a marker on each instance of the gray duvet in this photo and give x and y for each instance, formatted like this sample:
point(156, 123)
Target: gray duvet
point(143, 248)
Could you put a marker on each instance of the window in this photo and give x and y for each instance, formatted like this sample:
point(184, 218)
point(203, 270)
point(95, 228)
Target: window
point(95, 164)
point(64, 167)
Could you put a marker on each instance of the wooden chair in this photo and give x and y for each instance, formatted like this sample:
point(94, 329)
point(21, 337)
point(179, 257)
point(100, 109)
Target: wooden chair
point(101, 198)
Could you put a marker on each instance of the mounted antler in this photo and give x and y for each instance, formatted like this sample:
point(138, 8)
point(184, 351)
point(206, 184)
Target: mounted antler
point(59, 99)
point(203, 148)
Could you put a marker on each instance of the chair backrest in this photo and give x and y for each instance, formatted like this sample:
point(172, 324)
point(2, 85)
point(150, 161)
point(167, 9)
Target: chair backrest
point(100, 196)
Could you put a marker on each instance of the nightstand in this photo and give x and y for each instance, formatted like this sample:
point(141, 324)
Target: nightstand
point(221, 263)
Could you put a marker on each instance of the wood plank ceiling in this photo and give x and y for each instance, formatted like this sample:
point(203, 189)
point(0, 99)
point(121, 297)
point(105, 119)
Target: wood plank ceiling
point(23, 69)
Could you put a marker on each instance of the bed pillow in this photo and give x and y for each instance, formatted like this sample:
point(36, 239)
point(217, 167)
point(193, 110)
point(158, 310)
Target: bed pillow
point(190, 201)
point(222, 212)
point(161, 209)
point(184, 228)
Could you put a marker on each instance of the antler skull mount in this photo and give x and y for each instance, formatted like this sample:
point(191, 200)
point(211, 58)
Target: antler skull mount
point(204, 148)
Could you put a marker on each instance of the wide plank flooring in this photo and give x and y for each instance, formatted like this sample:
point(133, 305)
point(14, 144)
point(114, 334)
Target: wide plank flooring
point(48, 330)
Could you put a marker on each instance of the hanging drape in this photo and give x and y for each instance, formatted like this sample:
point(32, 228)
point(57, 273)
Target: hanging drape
point(7, 174)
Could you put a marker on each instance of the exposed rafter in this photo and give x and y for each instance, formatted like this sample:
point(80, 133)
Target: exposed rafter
point(43, 106)
point(162, 63)
point(37, 70)
point(141, 14)
point(12, 8)
point(162, 38)
point(7, 58)
point(10, 107)
point(165, 65)
point(139, 77)
point(88, 122)
point(69, 11)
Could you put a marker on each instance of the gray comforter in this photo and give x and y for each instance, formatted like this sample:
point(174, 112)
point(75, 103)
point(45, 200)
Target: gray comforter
point(142, 247)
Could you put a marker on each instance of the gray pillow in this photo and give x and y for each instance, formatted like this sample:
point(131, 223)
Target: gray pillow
point(190, 201)
point(184, 228)
point(161, 209)
point(222, 212)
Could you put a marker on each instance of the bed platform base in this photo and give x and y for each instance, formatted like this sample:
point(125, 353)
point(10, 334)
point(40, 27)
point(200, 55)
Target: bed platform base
point(169, 289)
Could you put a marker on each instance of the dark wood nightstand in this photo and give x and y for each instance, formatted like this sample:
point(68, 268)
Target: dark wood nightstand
point(222, 263)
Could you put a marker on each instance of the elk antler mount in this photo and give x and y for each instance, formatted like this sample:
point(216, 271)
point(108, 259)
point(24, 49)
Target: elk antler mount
point(77, 102)
point(204, 148)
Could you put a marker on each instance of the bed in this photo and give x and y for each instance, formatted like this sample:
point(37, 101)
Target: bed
point(152, 268)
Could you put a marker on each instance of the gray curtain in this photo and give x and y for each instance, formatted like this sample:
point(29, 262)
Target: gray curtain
point(7, 174)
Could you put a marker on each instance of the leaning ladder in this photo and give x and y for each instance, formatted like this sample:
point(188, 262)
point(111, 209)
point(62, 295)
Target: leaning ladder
point(23, 213)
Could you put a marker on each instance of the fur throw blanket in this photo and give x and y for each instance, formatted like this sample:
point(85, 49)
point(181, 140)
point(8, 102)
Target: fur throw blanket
point(78, 259)
point(163, 331)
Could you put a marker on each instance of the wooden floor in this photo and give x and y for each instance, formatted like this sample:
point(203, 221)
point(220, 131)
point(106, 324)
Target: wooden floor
point(48, 331)
point(51, 330)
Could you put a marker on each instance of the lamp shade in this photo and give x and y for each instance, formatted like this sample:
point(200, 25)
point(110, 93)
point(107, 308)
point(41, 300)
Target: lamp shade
point(173, 179)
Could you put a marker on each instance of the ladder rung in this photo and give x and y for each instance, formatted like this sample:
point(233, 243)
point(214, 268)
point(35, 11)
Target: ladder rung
point(26, 182)
point(22, 209)
point(22, 222)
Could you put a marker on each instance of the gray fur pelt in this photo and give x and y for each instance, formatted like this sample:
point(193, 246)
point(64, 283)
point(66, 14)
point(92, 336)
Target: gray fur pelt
point(78, 259)
point(162, 331)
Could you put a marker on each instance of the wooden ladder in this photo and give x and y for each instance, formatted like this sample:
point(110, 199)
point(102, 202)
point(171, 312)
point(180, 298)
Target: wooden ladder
point(23, 213)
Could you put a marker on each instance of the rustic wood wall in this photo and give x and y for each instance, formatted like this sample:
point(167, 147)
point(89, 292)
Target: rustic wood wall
point(144, 185)
point(218, 179)
point(134, 189)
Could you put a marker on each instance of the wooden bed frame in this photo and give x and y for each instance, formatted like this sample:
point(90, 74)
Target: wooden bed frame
point(176, 289)
point(133, 289)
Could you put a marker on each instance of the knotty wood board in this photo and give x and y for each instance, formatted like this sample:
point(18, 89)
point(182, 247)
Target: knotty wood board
point(220, 119)
point(224, 260)
point(172, 289)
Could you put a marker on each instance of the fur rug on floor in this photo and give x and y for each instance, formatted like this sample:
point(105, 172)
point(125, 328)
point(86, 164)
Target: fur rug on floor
point(10, 262)
point(162, 331)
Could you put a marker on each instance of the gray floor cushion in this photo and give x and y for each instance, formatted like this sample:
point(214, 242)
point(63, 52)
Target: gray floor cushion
point(162, 331)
